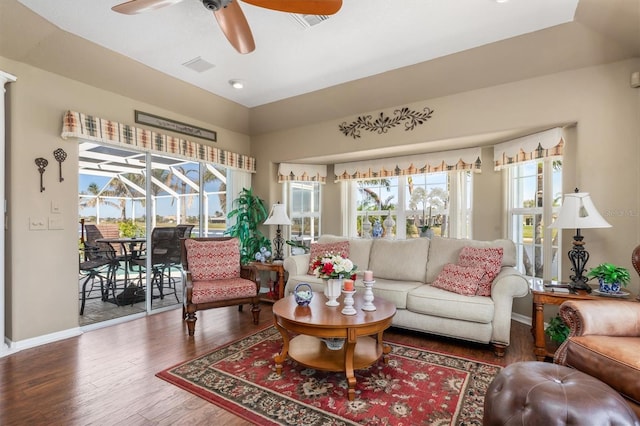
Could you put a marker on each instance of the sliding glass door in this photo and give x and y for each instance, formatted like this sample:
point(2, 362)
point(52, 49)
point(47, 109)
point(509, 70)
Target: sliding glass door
point(141, 204)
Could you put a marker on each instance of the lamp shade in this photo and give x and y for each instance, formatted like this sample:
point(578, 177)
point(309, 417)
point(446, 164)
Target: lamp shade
point(278, 216)
point(578, 212)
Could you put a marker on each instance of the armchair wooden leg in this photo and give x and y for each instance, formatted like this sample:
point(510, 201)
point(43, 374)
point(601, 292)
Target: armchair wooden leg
point(191, 322)
point(255, 311)
point(239, 308)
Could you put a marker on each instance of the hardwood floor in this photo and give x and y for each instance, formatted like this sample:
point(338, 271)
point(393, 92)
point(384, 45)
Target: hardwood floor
point(107, 376)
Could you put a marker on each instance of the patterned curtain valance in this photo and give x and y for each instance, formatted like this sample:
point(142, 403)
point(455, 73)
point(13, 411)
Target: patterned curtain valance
point(461, 159)
point(549, 143)
point(82, 126)
point(288, 172)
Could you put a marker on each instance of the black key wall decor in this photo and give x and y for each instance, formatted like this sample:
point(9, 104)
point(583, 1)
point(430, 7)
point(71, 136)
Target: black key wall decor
point(60, 156)
point(41, 163)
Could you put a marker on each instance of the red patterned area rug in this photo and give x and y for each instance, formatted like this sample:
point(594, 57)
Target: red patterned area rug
point(415, 387)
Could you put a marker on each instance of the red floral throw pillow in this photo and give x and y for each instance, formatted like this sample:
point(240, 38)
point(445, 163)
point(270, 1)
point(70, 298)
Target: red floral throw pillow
point(213, 260)
point(459, 279)
point(489, 259)
point(318, 249)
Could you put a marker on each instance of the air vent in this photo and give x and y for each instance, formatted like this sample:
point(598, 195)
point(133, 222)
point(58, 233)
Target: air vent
point(198, 64)
point(308, 21)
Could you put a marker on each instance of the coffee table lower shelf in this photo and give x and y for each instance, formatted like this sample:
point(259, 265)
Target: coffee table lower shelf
point(313, 352)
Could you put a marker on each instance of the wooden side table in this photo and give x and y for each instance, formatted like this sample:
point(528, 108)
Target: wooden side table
point(547, 296)
point(278, 268)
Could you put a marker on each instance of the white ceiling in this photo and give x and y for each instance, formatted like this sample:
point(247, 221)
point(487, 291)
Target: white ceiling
point(365, 38)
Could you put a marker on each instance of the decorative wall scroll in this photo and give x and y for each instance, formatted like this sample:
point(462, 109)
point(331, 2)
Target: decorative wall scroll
point(382, 124)
point(41, 163)
point(175, 126)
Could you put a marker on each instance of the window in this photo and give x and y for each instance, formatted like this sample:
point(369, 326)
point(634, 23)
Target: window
point(534, 198)
point(441, 201)
point(304, 210)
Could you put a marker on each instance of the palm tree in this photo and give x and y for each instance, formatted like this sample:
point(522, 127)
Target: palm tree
point(372, 198)
point(93, 197)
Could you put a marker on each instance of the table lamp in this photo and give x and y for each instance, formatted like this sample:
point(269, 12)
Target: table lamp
point(578, 212)
point(278, 216)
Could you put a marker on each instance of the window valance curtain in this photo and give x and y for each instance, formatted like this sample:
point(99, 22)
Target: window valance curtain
point(455, 160)
point(549, 143)
point(288, 172)
point(87, 127)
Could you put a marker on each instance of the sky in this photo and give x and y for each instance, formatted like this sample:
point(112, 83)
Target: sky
point(165, 205)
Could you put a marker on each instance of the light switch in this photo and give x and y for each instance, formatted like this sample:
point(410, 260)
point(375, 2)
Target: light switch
point(55, 207)
point(55, 222)
point(37, 223)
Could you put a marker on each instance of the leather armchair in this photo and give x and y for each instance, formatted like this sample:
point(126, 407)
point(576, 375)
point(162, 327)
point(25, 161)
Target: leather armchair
point(604, 342)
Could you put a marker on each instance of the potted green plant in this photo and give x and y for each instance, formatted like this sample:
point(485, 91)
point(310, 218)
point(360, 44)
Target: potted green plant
point(249, 213)
point(557, 330)
point(610, 277)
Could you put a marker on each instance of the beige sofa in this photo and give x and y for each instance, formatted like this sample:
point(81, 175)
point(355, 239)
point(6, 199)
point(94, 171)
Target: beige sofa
point(403, 270)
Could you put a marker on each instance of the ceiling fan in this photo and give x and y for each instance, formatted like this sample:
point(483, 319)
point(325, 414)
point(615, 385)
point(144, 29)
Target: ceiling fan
point(230, 17)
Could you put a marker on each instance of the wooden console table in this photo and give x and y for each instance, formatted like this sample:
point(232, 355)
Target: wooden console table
point(552, 297)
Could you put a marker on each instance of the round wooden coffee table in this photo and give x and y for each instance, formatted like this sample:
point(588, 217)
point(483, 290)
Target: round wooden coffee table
point(362, 334)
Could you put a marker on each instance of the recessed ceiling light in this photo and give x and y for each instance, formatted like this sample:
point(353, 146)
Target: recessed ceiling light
point(236, 84)
point(501, 1)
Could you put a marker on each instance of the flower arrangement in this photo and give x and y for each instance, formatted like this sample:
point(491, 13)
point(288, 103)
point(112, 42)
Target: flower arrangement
point(332, 265)
point(263, 255)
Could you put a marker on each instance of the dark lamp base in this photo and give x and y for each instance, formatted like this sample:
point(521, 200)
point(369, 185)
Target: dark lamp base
point(579, 286)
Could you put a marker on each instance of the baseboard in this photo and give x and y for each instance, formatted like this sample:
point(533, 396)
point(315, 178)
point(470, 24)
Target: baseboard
point(20, 345)
point(13, 347)
point(521, 318)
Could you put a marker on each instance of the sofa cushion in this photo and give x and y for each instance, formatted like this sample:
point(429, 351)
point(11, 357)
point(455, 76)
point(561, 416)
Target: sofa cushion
point(426, 299)
point(489, 259)
point(400, 260)
point(447, 250)
point(320, 249)
point(213, 260)
point(391, 290)
point(460, 279)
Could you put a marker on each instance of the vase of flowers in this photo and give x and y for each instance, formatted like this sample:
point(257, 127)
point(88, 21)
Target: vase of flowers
point(332, 268)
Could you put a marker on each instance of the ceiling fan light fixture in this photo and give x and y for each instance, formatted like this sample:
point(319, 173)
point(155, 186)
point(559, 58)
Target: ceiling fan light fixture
point(237, 84)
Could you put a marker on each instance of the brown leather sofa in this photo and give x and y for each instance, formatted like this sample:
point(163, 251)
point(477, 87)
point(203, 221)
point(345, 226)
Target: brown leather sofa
point(604, 342)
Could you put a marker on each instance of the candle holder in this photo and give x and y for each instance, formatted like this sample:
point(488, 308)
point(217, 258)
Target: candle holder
point(348, 303)
point(368, 296)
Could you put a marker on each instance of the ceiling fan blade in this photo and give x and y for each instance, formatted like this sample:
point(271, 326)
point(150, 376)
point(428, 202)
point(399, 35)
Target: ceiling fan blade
point(235, 27)
point(140, 6)
point(304, 7)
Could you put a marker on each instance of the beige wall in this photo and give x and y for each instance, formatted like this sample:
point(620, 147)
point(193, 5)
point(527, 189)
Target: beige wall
point(42, 266)
point(604, 157)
